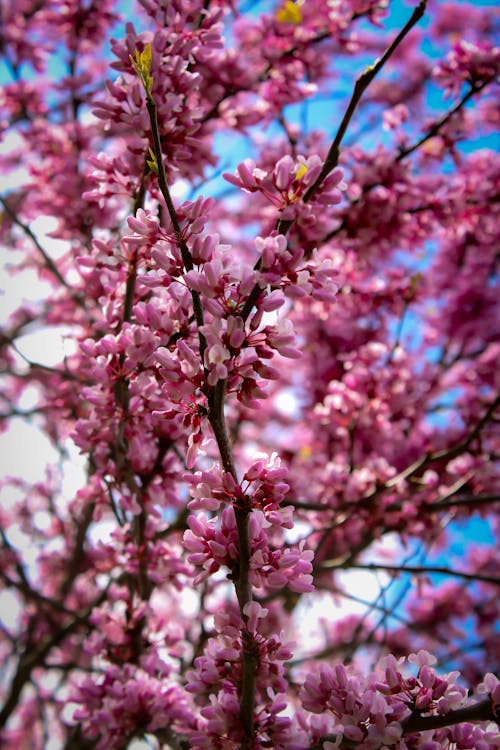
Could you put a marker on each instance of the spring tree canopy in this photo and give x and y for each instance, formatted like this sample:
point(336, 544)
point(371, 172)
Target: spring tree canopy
point(273, 233)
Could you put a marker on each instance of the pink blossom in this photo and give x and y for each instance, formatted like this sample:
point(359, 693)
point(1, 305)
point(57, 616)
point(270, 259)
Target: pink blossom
point(265, 387)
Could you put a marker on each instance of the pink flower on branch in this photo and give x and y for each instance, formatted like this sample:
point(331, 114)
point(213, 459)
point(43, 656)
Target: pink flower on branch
point(288, 182)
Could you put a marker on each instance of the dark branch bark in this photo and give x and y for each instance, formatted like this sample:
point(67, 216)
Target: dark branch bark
point(360, 87)
point(482, 711)
point(414, 569)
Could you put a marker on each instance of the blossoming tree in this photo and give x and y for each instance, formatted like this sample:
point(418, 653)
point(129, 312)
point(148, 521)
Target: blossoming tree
point(278, 224)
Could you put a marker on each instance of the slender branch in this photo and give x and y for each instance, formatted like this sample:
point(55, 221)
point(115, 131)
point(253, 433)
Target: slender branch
point(76, 740)
point(482, 711)
point(434, 129)
point(218, 423)
point(132, 268)
point(432, 456)
point(415, 723)
point(51, 266)
point(415, 569)
point(28, 661)
point(251, 299)
point(163, 185)
point(332, 158)
point(469, 501)
point(360, 87)
point(404, 152)
point(24, 586)
point(473, 434)
point(407, 473)
point(241, 577)
point(72, 568)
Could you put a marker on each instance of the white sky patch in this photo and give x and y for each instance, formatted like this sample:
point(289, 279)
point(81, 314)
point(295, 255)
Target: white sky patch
point(299, 531)
point(24, 287)
point(41, 227)
point(101, 531)
point(47, 347)
point(140, 745)
point(315, 613)
point(287, 402)
point(9, 144)
point(363, 584)
point(21, 541)
point(29, 398)
point(10, 610)
point(74, 470)
point(386, 549)
point(25, 452)
point(16, 287)
point(180, 190)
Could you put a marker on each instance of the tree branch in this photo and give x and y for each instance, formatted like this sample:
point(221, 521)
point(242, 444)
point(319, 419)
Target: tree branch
point(51, 266)
point(132, 266)
point(218, 423)
point(360, 87)
point(482, 711)
point(241, 578)
point(416, 723)
point(434, 129)
point(404, 152)
point(163, 185)
point(415, 569)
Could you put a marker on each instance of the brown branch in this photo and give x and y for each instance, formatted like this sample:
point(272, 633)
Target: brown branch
point(24, 586)
point(403, 153)
point(217, 421)
point(432, 456)
point(473, 434)
point(163, 185)
point(241, 578)
point(416, 723)
point(414, 569)
point(332, 158)
point(132, 267)
point(29, 660)
point(360, 87)
point(77, 741)
point(78, 554)
point(436, 127)
point(408, 473)
point(482, 711)
point(468, 501)
point(51, 266)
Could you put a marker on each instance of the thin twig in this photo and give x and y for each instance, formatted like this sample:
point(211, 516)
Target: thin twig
point(51, 266)
point(332, 158)
point(436, 127)
point(165, 191)
point(482, 711)
point(413, 569)
point(360, 87)
point(217, 420)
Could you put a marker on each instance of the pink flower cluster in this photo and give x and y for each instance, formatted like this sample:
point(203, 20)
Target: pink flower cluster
point(270, 387)
point(213, 544)
point(263, 487)
point(216, 683)
point(373, 712)
point(260, 493)
point(468, 62)
point(128, 701)
point(178, 89)
point(285, 268)
point(287, 183)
